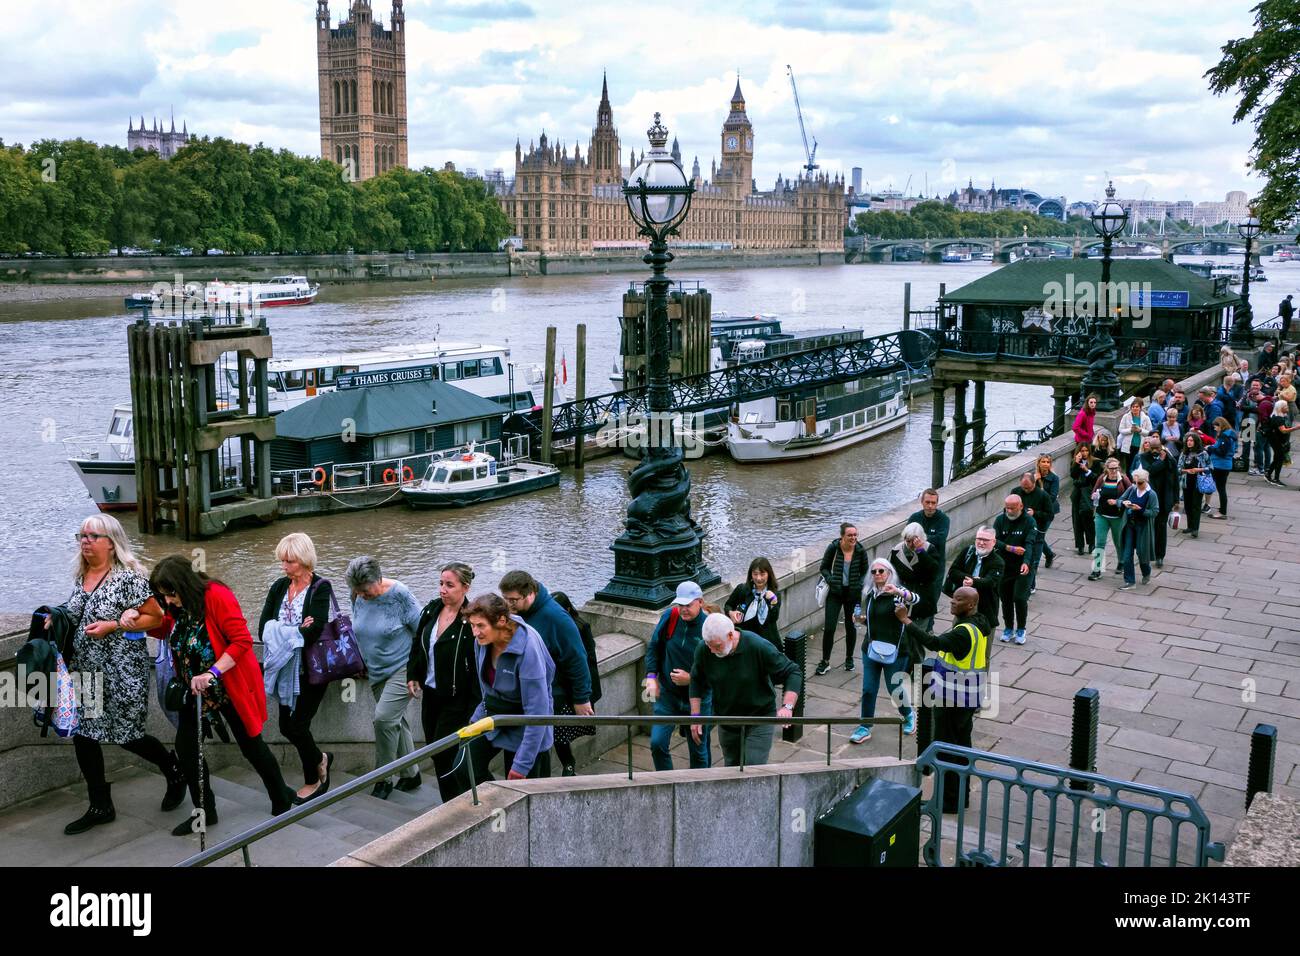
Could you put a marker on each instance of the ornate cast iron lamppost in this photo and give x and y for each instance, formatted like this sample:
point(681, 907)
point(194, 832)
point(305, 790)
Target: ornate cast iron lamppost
point(1242, 334)
point(660, 546)
point(1108, 219)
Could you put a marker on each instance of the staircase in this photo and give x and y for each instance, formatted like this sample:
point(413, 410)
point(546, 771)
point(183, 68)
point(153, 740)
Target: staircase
point(31, 833)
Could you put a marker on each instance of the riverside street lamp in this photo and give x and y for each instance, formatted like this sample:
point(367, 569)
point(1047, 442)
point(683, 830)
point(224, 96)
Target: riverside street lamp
point(1242, 333)
point(1108, 220)
point(660, 545)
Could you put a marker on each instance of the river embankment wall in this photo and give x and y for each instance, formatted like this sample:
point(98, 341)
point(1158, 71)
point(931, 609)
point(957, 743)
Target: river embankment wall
point(145, 271)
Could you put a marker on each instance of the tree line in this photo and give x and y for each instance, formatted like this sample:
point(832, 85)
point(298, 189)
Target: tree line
point(938, 219)
point(74, 197)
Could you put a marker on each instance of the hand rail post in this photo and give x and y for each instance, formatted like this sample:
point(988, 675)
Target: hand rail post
point(629, 751)
point(469, 765)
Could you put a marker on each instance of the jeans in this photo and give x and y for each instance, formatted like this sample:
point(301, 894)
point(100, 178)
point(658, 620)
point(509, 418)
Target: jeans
point(1128, 547)
point(1085, 533)
point(441, 716)
point(1104, 526)
point(840, 598)
point(1263, 453)
point(758, 744)
point(1221, 484)
point(1192, 504)
point(661, 735)
point(392, 730)
point(896, 681)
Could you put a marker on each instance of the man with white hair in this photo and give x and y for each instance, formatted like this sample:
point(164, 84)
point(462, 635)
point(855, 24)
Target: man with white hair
point(740, 669)
point(979, 567)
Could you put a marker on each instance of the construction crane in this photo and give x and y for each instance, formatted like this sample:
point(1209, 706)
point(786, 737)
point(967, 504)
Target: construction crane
point(811, 165)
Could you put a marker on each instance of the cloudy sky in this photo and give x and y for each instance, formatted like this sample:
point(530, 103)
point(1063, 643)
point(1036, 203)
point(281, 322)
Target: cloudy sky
point(1041, 95)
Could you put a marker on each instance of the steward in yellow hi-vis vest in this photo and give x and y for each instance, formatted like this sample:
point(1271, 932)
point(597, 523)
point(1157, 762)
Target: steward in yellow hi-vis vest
point(960, 679)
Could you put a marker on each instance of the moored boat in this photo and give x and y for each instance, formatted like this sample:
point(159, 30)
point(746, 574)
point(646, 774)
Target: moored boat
point(476, 477)
point(106, 466)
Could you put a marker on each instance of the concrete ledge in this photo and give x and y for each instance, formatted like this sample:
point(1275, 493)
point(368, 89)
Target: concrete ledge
point(762, 816)
point(1270, 834)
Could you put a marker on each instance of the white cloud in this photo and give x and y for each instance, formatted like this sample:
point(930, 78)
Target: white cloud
point(1045, 96)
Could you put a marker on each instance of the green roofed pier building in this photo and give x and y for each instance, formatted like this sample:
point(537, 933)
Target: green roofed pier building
point(1030, 323)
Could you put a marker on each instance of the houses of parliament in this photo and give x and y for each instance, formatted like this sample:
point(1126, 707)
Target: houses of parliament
point(567, 202)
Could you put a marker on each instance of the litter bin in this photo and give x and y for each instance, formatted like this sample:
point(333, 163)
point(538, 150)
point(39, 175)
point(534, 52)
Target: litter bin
point(879, 824)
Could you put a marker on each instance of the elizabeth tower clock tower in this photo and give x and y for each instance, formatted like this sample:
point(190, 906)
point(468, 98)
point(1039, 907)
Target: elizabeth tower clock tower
point(738, 147)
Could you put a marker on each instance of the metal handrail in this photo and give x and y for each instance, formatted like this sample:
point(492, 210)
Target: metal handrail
point(1074, 786)
point(243, 841)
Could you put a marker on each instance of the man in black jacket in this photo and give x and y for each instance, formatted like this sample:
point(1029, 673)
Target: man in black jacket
point(1016, 533)
point(936, 526)
point(1162, 472)
point(956, 690)
point(980, 567)
point(1039, 506)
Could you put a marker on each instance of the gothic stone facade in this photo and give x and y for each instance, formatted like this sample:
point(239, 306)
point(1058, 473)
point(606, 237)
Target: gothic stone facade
point(570, 203)
point(361, 67)
point(163, 142)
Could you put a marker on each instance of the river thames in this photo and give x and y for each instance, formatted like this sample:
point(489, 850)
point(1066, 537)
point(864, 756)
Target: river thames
point(67, 368)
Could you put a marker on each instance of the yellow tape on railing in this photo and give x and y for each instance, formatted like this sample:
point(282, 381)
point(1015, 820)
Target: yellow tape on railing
point(476, 728)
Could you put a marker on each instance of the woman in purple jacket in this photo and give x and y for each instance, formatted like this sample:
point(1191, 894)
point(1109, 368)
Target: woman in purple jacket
point(515, 673)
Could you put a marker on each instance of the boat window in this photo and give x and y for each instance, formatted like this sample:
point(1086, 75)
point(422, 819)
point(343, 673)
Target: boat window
point(859, 418)
point(130, 423)
point(118, 427)
point(440, 476)
point(835, 426)
point(326, 376)
point(851, 388)
point(782, 411)
point(489, 366)
point(809, 407)
point(751, 418)
point(451, 372)
point(873, 413)
point(392, 446)
point(310, 377)
point(293, 380)
point(348, 370)
point(492, 468)
point(232, 376)
point(469, 368)
point(481, 471)
point(462, 474)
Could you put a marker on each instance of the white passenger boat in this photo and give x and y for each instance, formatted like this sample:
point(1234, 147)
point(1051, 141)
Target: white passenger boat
point(476, 477)
point(106, 466)
point(280, 290)
point(816, 421)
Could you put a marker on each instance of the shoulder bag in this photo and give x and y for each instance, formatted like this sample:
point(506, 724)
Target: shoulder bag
point(336, 654)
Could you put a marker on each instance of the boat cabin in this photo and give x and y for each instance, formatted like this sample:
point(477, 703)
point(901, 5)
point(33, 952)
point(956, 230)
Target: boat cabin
point(381, 423)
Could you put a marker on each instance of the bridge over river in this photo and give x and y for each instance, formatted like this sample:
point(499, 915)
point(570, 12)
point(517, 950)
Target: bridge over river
point(867, 249)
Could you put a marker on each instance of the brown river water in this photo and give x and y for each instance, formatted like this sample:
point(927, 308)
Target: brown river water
point(66, 366)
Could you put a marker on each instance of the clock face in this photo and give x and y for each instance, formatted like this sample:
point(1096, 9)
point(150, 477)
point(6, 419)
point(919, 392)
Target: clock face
point(731, 142)
point(749, 142)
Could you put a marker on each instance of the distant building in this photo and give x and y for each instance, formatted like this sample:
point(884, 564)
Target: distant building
point(1052, 208)
point(857, 180)
point(166, 143)
point(563, 201)
point(361, 72)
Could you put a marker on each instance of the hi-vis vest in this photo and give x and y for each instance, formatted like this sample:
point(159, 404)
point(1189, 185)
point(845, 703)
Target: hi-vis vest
point(961, 682)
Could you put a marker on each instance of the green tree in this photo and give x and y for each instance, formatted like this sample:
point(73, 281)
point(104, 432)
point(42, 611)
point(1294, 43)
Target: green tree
point(21, 204)
point(1264, 69)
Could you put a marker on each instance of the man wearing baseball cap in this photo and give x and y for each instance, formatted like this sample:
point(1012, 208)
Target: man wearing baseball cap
point(668, 660)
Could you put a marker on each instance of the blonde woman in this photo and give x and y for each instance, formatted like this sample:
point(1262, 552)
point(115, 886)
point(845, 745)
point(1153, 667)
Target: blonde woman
point(112, 603)
point(880, 596)
point(300, 602)
point(1229, 361)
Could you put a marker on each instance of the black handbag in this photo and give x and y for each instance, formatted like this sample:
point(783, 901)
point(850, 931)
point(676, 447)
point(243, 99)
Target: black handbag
point(176, 696)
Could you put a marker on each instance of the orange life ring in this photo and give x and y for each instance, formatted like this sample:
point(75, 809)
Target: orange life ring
point(318, 477)
point(407, 473)
point(390, 477)
point(466, 457)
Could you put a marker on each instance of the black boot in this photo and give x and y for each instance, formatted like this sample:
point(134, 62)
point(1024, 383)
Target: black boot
point(209, 816)
point(175, 783)
point(101, 811)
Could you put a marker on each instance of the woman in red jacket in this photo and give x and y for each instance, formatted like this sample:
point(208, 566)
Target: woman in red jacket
point(212, 653)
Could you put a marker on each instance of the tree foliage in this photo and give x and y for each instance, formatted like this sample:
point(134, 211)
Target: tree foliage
point(1264, 69)
point(937, 219)
point(74, 197)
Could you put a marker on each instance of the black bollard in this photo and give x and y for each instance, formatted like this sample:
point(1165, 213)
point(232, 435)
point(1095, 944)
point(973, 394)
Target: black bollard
point(1083, 735)
point(1263, 752)
point(924, 708)
point(796, 648)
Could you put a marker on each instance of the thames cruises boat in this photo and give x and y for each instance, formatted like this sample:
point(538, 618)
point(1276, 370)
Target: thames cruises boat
point(806, 424)
point(476, 477)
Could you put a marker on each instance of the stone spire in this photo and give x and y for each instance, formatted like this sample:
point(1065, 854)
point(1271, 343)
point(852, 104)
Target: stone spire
point(677, 152)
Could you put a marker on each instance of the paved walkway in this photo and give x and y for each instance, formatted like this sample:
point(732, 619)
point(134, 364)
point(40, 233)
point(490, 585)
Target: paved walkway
point(1173, 661)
